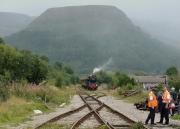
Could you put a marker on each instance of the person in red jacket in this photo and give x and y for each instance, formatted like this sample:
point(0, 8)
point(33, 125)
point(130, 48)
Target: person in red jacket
point(152, 104)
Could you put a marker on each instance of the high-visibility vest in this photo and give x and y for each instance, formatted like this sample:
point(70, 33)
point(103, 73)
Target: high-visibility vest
point(166, 97)
point(152, 101)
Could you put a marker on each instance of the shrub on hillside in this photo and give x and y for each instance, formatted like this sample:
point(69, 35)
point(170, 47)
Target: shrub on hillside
point(1, 41)
point(115, 80)
point(68, 70)
point(4, 91)
point(59, 81)
point(21, 65)
point(174, 77)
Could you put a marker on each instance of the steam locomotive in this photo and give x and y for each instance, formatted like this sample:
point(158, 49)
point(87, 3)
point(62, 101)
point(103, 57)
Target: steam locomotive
point(90, 82)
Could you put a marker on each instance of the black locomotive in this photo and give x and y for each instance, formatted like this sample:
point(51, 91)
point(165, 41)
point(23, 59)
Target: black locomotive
point(90, 82)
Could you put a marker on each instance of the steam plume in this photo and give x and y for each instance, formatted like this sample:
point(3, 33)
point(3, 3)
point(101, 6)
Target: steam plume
point(103, 67)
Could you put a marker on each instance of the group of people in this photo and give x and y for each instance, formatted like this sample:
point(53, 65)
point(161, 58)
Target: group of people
point(163, 102)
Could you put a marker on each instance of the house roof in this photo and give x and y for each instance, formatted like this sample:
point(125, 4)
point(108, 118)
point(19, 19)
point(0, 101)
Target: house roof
point(150, 79)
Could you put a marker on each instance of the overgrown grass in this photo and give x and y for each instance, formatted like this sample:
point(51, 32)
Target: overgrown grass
point(45, 94)
point(25, 98)
point(139, 97)
point(16, 110)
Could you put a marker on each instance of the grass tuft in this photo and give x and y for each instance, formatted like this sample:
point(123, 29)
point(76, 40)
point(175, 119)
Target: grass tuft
point(176, 117)
point(138, 125)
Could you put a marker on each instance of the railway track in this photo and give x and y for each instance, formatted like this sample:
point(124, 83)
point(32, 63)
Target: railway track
point(92, 114)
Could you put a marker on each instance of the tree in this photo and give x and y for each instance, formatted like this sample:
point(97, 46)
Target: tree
point(58, 65)
point(103, 77)
point(175, 82)
point(59, 81)
point(68, 70)
point(45, 58)
point(39, 70)
point(1, 41)
point(172, 71)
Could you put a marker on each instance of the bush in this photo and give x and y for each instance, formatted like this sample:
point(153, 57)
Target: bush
point(61, 75)
point(115, 80)
point(59, 81)
point(68, 70)
point(129, 86)
point(174, 81)
point(172, 71)
point(4, 88)
point(159, 88)
point(4, 92)
point(22, 65)
point(103, 77)
point(123, 80)
point(1, 41)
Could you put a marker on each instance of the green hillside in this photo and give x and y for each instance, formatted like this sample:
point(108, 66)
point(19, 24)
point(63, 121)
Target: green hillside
point(13, 22)
point(88, 36)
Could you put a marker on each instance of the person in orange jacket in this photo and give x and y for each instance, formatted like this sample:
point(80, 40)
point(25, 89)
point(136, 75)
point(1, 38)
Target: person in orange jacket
point(166, 99)
point(152, 104)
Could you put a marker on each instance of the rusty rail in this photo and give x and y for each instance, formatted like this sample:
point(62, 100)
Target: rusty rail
point(91, 112)
point(63, 115)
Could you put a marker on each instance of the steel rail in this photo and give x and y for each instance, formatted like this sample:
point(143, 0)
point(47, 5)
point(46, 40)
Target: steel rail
point(84, 118)
point(127, 119)
point(94, 112)
point(63, 115)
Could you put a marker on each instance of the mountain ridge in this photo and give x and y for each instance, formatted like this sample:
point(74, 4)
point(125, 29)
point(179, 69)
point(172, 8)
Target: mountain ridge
point(87, 36)
point(13, 22)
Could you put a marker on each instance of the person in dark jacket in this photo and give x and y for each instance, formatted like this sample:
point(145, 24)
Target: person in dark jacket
point(173, 101)
point(173, 94)
point(178, 101)
point(159, 102)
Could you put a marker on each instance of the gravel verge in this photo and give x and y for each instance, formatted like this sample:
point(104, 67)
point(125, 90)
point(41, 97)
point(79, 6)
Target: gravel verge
point(130, 110)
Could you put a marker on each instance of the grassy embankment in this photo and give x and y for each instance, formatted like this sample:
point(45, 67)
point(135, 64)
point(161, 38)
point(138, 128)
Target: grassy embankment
point(25, 98)
point(139, 97)
point(176, 117)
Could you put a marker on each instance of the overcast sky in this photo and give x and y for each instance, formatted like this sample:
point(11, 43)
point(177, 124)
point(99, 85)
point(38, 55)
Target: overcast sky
point(160, 10)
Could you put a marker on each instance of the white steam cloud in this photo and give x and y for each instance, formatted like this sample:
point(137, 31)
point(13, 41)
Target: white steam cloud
point(103, 67)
